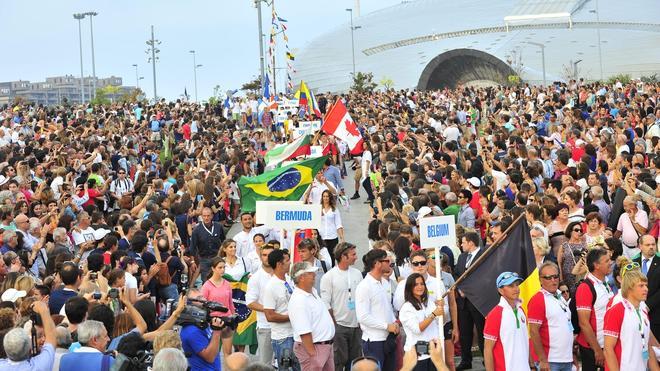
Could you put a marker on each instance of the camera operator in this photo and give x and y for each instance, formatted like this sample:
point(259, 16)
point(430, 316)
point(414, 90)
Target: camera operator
point(17, 343)
point(202, 346)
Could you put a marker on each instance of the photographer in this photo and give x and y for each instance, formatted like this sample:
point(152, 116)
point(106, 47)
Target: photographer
point(17, 343)
point(202, 346)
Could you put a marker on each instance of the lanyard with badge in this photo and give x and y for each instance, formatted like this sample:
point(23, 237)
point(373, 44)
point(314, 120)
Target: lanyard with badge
point(564, 307)
point(351, 302)
point(640, 327)
point(212, 228)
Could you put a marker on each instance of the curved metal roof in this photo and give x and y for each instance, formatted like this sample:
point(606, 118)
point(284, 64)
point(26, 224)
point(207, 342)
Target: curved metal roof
point(399, 42)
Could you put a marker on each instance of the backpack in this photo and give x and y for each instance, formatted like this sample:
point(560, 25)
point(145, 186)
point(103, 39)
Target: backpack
point(163, 276)
point(575, 321)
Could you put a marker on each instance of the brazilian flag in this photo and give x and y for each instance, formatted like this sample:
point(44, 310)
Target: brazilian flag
point(246, 331)
point(284, 183)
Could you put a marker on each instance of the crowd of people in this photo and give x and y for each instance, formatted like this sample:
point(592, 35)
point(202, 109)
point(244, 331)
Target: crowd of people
point(115, 252)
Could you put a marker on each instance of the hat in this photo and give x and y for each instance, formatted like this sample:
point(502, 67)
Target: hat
point(507, 278)
point(100, 233)
point(475, 182)
point(3, 180)
point(579, 142)
point(301, 268)
point(423, 211)
point(13, 294)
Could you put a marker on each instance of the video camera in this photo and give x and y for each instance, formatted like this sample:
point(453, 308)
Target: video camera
point(202, 318)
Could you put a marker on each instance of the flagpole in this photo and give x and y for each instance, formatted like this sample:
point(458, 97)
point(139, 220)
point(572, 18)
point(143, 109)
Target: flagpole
point(438, 281)
point(486, 253)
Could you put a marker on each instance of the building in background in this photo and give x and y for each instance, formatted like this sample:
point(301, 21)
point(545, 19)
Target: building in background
point(54, 90)
point(429, 44)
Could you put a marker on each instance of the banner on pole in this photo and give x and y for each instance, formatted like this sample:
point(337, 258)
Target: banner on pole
point(304, 127)
point(437, 231)
point(288, 215)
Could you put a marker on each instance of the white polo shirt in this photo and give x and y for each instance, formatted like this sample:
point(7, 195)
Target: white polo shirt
point(311, 316)
point(551, 312)
point(338, 290)
point(244, 240)
point(431, 282)
point(373, 306)
point(256, 291)
point(277, 297)
point(623, 321)
point(508, 329)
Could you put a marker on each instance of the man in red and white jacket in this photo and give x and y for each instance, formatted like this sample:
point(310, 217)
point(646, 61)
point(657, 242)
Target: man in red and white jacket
point(591, 312)
point(550, 323)
point(506, 344)
point(629, 320)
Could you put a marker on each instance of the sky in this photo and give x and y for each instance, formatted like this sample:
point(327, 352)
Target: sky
point(42, 39)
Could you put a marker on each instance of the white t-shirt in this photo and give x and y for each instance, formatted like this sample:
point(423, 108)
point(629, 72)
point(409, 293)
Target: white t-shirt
point(312, 316)
point(365, 163)
point(277, 297)
point(131, 281)
point(256, 291)
point(338, 292)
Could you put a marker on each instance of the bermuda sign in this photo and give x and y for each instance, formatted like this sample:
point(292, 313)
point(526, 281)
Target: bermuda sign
point(288, 215)
point(437, 231)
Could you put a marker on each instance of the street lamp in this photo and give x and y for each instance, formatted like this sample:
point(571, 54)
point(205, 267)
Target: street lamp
point(600, 52)
point(353, 28)
point(80, 17)
point(195, 67)
point(257, 4)
point(542, 57)
point(575, 68)
point(91, 31)
point(137, 78)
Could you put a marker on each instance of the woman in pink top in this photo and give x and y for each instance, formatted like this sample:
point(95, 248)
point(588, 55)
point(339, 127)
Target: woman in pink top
point(218, 289)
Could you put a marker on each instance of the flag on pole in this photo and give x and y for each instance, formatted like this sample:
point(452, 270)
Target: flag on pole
point(340, 124)
point(281, 19)
point(514, 254)
point(267, 88)
point(290, 56)
point(306, 99)
point(299, 147)
point(285, 183)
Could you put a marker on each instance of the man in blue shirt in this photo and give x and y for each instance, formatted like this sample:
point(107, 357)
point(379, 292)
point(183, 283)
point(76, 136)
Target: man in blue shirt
point(17, 342)
point(201, 346)
point(333, 175)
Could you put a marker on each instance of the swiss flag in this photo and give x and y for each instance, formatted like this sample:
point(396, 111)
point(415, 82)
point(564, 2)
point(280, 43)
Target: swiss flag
point(340, 124)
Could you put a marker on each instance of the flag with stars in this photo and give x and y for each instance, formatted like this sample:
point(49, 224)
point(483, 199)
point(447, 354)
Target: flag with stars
point(285, 183)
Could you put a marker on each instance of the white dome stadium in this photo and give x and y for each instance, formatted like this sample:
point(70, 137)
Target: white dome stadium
point(428, 44)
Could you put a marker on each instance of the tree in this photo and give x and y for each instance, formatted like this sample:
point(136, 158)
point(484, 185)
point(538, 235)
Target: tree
point(106, 94)
point(253, 86)
point(363, 82)
point(133, 96)
point(514, 60)
point(623, 78)
point(387, 82)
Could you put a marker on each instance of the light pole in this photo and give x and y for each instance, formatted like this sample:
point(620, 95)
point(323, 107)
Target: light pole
point(600, 52)
point(353, 28)
point(575, 68)
point(542, 57)
point(195, 67)
point(257, 4)
point(153, 50)
point(91, 31)
point(80, 17)
point(137, 78)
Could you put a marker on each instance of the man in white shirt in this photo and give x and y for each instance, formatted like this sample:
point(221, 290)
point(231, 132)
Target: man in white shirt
point(276, 307)
point(313, 329)
point(256, 291)
point(319, 185)
point(632, 224)
point(245, 238)
point(338, 288)
point(374, 310)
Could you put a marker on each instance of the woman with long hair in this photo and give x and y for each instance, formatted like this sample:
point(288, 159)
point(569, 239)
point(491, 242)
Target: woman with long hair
point(217, 289)
point(236, 266)
point(418, 317)
point(332, 230)
point(571, 255)
point(402, 251)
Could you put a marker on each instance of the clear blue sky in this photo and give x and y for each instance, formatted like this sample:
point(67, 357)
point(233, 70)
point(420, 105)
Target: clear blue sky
point(41, 38)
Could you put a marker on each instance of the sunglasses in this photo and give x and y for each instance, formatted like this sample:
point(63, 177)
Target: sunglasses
point(579, 230)
point(628, 267)
point(564, 291)
point(551, 277)
point(419, 263)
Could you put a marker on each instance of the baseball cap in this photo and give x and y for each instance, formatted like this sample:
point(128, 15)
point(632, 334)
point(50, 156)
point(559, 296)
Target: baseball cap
point(301, 268)
point(474, 181)
point(100, 233)
point(423, 211)
point(507, 278)
point(13, 294)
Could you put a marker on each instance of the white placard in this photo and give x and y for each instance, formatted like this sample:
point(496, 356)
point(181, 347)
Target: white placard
point(288, 215)
point(304, 127)
point(315, 151)
point(437, 231)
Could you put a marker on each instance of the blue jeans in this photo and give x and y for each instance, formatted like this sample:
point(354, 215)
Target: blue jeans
point(376, 349)
point(278, 350)
point(558, 366)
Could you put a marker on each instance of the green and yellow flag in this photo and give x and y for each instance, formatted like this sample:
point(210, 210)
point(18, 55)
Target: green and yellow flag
point(246, 331)
point(285, 183)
